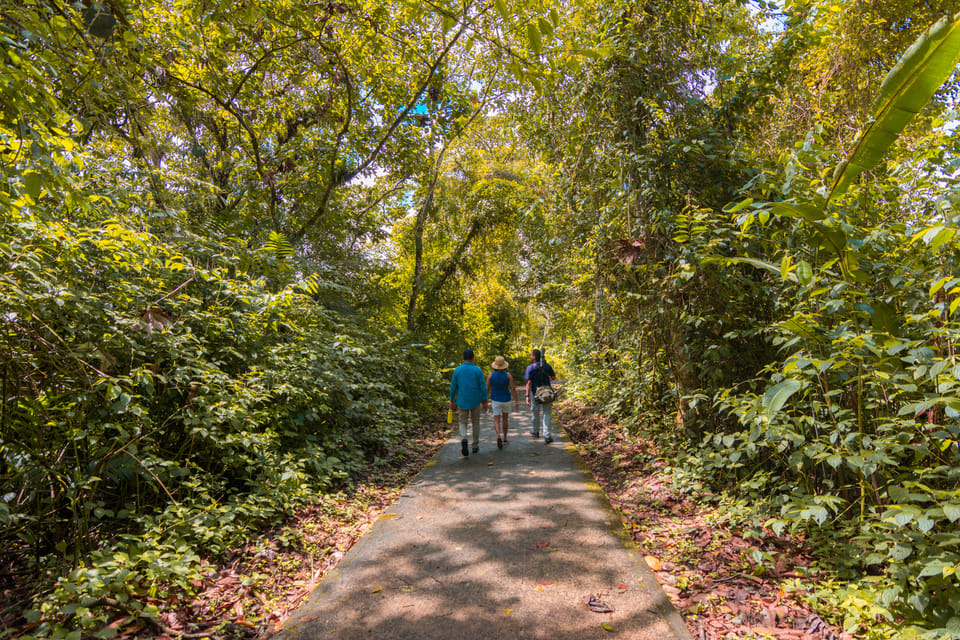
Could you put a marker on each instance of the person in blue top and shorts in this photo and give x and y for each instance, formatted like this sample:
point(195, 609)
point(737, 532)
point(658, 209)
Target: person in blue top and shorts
point(502, 390)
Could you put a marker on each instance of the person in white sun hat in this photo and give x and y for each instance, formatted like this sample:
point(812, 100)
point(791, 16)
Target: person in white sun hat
point(502, 391)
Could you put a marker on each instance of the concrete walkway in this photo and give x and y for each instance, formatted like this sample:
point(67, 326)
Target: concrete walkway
point(503, 544)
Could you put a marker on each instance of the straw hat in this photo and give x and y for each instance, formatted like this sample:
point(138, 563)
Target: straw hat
point(500, 363)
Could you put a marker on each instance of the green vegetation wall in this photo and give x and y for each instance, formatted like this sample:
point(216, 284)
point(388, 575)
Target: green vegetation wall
point(763, 288)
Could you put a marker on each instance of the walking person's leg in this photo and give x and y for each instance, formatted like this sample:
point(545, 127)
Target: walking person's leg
point(497, 419)
point(535, 422)
point(547, 423)
point(462, 417)
point(475, 416)
point(504, 422)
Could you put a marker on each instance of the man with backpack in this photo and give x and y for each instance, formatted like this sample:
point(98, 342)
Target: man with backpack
point(538, 376)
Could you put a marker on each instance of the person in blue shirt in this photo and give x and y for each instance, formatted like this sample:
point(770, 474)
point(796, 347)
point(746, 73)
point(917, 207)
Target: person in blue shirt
point(502, 390)
point(469, 392)
point(539, 373)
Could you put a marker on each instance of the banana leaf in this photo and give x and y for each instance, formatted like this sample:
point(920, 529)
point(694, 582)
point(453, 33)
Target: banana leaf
point(925, 66)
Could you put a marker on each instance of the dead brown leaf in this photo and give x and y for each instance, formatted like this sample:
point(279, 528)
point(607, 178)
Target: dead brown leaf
point(595, 604)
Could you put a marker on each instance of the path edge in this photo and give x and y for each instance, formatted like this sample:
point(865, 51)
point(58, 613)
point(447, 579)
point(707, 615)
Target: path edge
point(662, 604)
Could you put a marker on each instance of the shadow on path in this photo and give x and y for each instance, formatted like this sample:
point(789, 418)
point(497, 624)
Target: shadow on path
point(503, 544)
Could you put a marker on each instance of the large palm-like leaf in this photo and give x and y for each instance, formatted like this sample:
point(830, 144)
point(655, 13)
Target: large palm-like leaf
point(924, 67)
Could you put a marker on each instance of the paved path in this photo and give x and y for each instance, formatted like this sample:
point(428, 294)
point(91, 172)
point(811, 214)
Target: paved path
point(503, 544)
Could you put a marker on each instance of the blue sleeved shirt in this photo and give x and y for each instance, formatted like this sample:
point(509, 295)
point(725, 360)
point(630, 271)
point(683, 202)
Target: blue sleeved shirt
point(531, 374)
point(467, 387)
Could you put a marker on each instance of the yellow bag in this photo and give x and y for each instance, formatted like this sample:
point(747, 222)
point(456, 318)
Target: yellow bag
point(450, 415)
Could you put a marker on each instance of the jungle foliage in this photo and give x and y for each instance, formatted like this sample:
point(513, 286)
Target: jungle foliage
point(761, 225)
point(201, 293)
point(241, 240)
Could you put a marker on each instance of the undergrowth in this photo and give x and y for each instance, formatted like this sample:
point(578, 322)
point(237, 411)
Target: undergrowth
point(716, 550)
point(179, 403)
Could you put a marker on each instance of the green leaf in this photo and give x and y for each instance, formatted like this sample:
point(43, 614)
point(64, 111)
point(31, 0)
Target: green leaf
point(952, 511)
point(786, 268)
point(890, 595)
point(533, 38)
point(546, 29)
point(934, 568)
point(804, 272)
point(743, 204)
point(777, 395)
point(447, 23)
point(924, 67)
point(501, 7)
point(834, 238)
point(884, 318)
point(807, 212)
point(903, 518)
point(760, 264)
point(938, 236)
point(32, 182)
point(798, 327)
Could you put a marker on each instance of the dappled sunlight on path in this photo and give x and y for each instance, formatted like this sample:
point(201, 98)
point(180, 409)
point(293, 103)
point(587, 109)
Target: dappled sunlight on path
point(503, 544)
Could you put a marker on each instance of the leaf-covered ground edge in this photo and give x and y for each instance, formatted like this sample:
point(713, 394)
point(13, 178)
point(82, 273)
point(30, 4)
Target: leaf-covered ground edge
point(724, 579)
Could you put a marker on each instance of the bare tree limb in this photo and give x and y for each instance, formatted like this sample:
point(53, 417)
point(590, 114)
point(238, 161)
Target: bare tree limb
point(387, 135)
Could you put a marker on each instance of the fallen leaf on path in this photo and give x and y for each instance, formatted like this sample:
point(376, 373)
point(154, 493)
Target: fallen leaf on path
point(545, 582)
point(621, 586)
point(607, 627)
point(490, 464)
point(419, 517)
point(533, 473)
point(595, 604)
point(653, 563)
point(389, 516)
point(539, 588)
point(407, 587)
point(377, 590)
point(536, 546)
point(507, 612)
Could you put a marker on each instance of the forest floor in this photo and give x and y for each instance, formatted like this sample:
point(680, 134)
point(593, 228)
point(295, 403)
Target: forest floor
point(252, 591)
point(726, 580)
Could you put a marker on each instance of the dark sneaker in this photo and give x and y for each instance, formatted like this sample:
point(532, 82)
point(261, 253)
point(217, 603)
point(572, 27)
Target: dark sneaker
point(535, 435)
point(463, 447)
point(499, 443)
point(547, 440)
point(476, 449)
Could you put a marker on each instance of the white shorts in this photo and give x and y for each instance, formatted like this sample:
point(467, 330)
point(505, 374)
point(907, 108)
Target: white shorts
point(500, 407)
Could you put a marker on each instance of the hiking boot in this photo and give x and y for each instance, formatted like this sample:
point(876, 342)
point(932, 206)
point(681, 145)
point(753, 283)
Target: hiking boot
point(463, 447)
point(535, 435)
point(476, 449)
point(499, 443)
point(547, 440)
